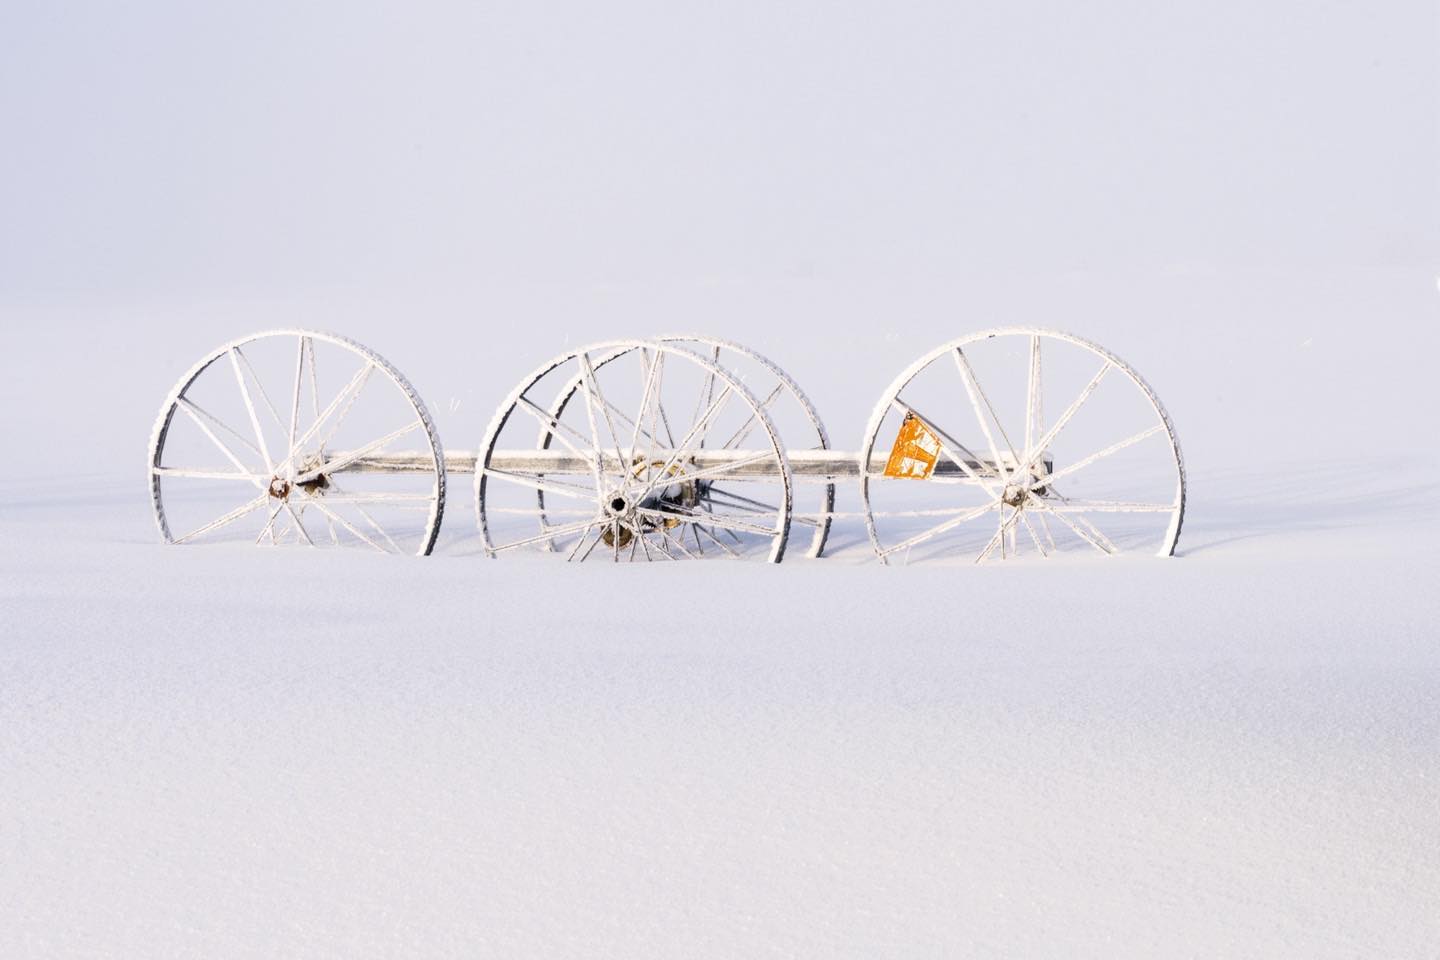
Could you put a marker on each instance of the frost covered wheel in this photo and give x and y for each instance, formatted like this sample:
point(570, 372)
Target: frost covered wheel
point(292, 436)
point(1020, 440)
point(795, 420)
point(633, 450)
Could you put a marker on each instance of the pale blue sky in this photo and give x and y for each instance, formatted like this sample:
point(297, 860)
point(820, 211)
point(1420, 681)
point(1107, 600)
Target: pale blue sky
point(1241, 198)
point(277, 147)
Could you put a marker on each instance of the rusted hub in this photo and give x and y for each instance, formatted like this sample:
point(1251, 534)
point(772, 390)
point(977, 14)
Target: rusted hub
point(315, 486)
point(617, 534)
point(677, 491)
point(279, 488)
point(1015, 496)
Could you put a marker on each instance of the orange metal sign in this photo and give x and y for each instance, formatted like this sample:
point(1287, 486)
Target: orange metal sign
point(915, 452)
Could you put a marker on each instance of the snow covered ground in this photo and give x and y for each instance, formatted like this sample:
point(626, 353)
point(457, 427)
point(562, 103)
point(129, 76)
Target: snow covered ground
point(236, 752)
point(229, 752)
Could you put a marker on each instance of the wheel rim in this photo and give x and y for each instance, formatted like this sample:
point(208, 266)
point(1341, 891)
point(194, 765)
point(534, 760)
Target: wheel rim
point(795, 420)
point(643, 478)
point(297, 437)
point(1027, 484)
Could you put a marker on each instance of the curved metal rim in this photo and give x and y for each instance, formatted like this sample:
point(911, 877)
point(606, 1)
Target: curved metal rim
point(822, 530)
point(882, 407)
point(167, 412)
point(616, 348)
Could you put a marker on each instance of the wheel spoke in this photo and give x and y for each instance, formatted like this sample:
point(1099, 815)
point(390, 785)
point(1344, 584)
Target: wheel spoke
point(1032, 397)
point(260, 385)
point(938, 529)
point(700, 528)
point(707, 390)
point(1086, 461)
point(341, 462)
point(659, 418)
point(758, 505)
point(651, 369)
point(556, 487)
point(1089, 525)
point(550, 534)
point(295, 400)
point(594, 432)
point(270, 524)
point(592, 386)
point(1065, 417)
point(742, 502)
point(346, 396)
point(685, 445)
point(678, 541)
point(625, 421)
point(990, 545)
point(250, 408)
point(554, 425)
point(999, 538)
point(378, 498)
point(664, 549)
point(189, 474)
point(710, 519)
point(354, 531)
point(299, 527)
point(195, 409)
point(334, 427)
point(188, 407)
point(226, 519)
point(541, 513)
point(1030, 529)
point(356, 500)
point(1045, 526)
point(893, 514)
point(753, 421)
point(599, 539)
point(314, 380)
point(1045, 509)
point(577, 385)
point(1107, 506)
point(277, 538)
point(584, 535)
point(720, 469)
point(977, 396)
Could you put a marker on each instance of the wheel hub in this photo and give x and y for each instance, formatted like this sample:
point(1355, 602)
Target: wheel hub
point(1015, 496)
point(619, 506)
point(620, 509)
point(622, 506)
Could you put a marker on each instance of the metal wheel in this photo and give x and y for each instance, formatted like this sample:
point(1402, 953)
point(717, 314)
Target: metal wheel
point(293, 436)
point(640, 469)
point(793, 415)
point(1015, 441)
point(791, 412)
